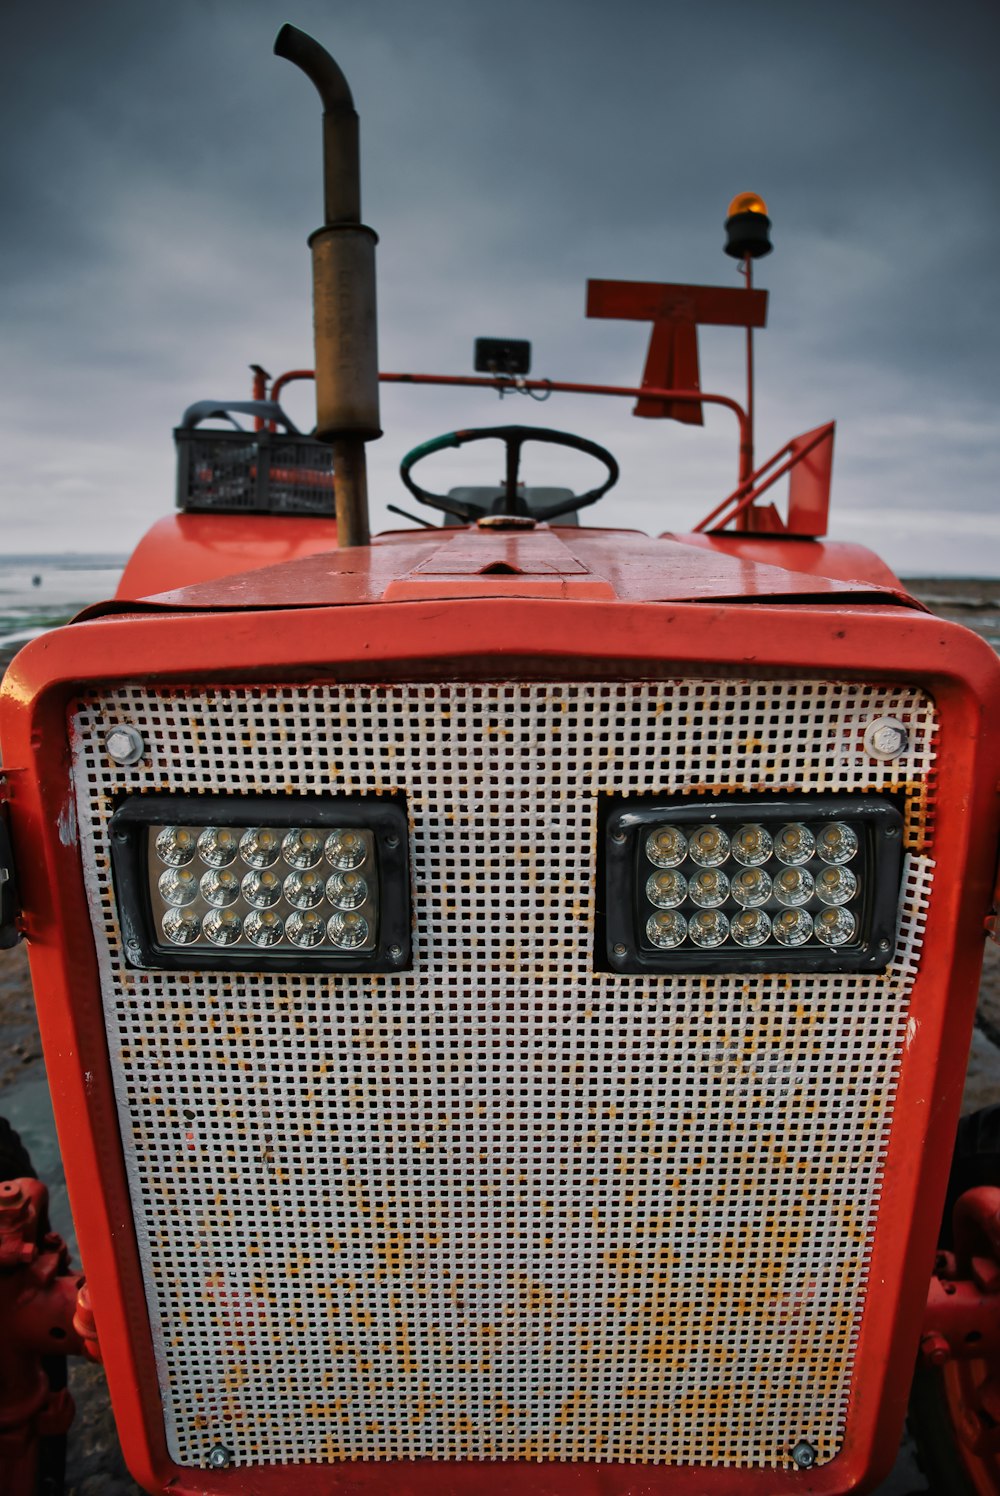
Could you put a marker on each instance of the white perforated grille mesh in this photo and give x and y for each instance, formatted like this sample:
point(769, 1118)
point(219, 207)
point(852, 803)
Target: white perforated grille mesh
point(502, 1206)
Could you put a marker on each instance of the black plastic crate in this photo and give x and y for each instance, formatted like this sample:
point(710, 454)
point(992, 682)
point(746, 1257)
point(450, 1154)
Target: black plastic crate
point(252, 472)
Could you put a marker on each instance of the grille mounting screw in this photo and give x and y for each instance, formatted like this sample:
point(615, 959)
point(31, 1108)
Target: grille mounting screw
point(620, 950)
point(617, 836)
point(804, 1455)
point(886, 737)
point(124, 744)
point(395, 953)
point(219, 1457)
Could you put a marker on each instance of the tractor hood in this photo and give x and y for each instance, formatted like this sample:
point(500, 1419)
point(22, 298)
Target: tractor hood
point(551, 563)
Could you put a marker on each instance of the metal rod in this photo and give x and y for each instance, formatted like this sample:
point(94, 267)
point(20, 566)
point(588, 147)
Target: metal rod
point(417, 519)
point(746, 457)
point(491, 382)
point(260, 378)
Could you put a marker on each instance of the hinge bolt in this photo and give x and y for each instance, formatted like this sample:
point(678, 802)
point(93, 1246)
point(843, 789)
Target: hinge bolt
point(804, 1455)
point(934, 1348)
point(886, 737)
point(219, 1457)
point(124, 744)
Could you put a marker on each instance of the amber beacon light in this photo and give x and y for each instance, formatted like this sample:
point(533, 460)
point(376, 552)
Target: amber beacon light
point(748, 227)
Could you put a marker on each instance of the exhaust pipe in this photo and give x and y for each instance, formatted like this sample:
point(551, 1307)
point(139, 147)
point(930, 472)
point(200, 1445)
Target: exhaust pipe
point(343, 257)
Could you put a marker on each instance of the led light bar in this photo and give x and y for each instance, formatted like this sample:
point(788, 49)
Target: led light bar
point(254, 884)
point(809, 884)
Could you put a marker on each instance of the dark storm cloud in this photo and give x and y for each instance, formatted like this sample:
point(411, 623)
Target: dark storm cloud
point(160, 174)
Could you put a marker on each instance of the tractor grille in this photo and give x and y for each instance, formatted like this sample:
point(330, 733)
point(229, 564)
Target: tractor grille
point(502, 1206)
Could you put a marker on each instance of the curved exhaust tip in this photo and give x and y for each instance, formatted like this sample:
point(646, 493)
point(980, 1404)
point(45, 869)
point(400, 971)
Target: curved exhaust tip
point(317, 64)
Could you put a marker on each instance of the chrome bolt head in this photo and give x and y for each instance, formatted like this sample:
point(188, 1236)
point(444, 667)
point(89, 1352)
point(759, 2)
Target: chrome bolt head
point(886, 737)
point(124, 744)
point(620, 949)
point(219, 1457)
point(395, 953)
point(804, 1455)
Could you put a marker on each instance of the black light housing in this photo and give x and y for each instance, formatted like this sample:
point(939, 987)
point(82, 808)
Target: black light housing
point(377, 826)
point(510, 356)
point(870, 875)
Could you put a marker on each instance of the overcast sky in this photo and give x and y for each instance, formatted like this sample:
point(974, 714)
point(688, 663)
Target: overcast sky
point(161, 172)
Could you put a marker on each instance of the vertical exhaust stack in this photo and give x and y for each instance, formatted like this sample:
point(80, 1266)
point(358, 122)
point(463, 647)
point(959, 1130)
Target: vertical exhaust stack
point(343, 256)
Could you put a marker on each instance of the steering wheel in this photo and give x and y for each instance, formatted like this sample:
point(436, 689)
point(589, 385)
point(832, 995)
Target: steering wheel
point(513, 438)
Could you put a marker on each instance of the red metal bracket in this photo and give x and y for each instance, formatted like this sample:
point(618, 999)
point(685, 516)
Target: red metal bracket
point(809, 461)
point(962, 1319)
point(43, 1313)
point(676, 313)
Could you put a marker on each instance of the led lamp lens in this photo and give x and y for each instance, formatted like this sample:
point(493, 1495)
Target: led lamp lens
point(666, 930)
point(218, 846)
point(220, 887)
point(348, 931)
point(792, 927)
point(666, 889)
point(752, 845)
point(345, 850)
point(794, 886)
point(305, 890)
point(709, 888)
point(709, 846)
point(176, 846)
point(708, 928)
point(222, 926)
point(260, 846)
point(836, 885)
point(178, 886)
point(751, 927)
point(837, 843)
point(794, 844)
point(181, 927)
point(751, 888)
point(835, 926)
point(303, 848)
point(346, 890)
point(305, 929)
point(262, 889)
point(264, 927)
point(666, 846)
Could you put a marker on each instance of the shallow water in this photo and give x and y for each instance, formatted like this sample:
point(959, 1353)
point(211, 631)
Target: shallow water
point(39, 592)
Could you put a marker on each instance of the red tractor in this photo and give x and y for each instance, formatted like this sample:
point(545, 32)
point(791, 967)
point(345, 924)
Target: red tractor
point(506, 985)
